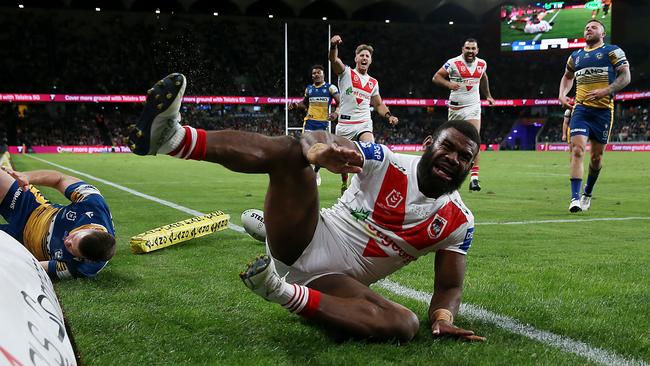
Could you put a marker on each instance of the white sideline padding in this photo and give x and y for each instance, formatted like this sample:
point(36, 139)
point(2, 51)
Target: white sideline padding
point(32, 331)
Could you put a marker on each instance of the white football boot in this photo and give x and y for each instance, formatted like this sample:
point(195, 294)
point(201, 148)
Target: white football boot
point(574, 206)
point(261, 277)
point(585, 202)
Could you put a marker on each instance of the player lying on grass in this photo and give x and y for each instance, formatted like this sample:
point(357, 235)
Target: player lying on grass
point(76, 240)
point(321, 262)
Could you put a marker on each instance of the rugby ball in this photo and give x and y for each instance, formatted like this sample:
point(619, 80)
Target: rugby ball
point(253, 222)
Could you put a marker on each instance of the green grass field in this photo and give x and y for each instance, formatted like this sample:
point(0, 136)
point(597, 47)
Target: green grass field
point(569, 23)
point(587, 281)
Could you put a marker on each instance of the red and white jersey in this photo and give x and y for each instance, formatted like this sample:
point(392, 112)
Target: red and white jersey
point(468, 76)
point(385, 222)
point(541, 27)
point(356, 90)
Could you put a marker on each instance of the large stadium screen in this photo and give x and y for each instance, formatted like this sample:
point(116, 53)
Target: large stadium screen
point(551, 25)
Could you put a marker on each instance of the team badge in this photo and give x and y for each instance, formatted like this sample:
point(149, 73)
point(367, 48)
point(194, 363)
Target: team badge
point(370, 85)
point(58, 254)
point(599, 55)
point(71, 215)
point(436, 227)
point(394, 199)
point(356, 78)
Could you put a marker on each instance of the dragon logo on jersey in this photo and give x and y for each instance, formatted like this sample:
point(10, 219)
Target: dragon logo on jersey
point(436, 227)
point(394, 198)
point(370, 84)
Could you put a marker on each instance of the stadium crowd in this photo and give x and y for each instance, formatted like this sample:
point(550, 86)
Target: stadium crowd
point(122, 53)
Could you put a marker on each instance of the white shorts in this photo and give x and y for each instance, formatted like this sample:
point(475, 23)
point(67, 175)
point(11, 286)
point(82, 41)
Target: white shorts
point(464, 113)
point(326, 254)
point(352, 131)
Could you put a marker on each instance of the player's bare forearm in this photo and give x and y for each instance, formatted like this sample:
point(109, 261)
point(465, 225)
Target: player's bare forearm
point(50, 178)
point(448, 284)
point(623, 78)
point(485, 87)
point(311, 138)
point(337, 64)
point(440, 80)
point(566, 84)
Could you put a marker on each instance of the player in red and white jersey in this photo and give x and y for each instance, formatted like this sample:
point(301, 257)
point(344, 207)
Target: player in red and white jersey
point(358, 91)
point(397, 209)
point(464, 76)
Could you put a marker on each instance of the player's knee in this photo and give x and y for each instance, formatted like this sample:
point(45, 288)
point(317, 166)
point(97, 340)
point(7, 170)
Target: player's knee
point(395, 323)
point(578, 151)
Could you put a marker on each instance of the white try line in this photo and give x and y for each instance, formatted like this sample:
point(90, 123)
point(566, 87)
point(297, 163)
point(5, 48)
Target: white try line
point(564, 343)
point(550, 21)
point(468, 310)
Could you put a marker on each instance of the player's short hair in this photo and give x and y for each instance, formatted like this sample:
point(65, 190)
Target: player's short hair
point(97, 246)
point(596, 21)
point(364, 47)
point(471, 40)
point(461, 126)
point(319, 67)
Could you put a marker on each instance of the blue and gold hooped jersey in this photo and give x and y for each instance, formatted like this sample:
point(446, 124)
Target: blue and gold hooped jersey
point(87, 210)
point(595, 69)
point(319, 98)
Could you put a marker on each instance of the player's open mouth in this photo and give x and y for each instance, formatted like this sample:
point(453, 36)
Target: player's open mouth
point(443, 173)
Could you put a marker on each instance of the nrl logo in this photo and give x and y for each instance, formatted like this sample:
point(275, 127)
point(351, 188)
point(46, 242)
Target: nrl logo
point(436, 227)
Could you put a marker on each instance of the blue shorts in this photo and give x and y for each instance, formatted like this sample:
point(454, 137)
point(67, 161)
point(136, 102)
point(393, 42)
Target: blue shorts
point(16, 208)
point(313, 125)
point(595, 123)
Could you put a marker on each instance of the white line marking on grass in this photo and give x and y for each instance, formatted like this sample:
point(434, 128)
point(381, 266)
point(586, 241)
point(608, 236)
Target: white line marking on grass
point(467, 310)
point(135, 193)
point(562, 221)
point(552, 19)
point(564, 343)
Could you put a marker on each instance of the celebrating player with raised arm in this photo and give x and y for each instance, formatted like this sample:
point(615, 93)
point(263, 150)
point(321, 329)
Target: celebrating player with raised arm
point(464, 75)
point(600, 70)
point(318, 97)
point(321, 262)
point(358, 92)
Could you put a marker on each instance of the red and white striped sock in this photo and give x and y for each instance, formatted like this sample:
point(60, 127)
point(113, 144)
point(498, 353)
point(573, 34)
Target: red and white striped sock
point(301, 300)
point(474, 172)
point(193, 146)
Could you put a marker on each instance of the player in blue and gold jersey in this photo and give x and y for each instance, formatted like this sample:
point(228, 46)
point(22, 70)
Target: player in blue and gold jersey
point(76, 240)
point(600, 70)
point(318, 97)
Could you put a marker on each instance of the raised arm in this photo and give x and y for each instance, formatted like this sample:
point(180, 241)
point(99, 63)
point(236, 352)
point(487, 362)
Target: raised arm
point(337, 64)
point(47, 178)
point(485, 88)
point(382, 109)
point(448, 289)
point(441, 78)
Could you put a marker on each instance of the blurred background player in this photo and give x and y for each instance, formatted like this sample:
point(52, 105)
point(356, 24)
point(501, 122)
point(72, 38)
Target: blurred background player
point(605, 5)
point(359, 92)
point(318, 97)
point(464, 75)
point(399, 207)
point(76, 240)
point(600, 71)
point(535, 25)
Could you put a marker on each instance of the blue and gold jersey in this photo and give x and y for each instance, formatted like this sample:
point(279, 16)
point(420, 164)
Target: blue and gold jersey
point(42, 226)
point(319, 98)
point(595, 69)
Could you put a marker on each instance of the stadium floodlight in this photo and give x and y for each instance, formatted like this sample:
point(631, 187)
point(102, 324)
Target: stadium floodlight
point(451, 22)
point(270, 16)
point(215, 14)
point(387, 21)
point(21, 6)
point(157, 11)
point(98, 9)
point(324, 18)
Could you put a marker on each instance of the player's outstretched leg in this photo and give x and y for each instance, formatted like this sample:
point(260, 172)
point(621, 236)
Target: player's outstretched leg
point(159, 121)
point(337, 302)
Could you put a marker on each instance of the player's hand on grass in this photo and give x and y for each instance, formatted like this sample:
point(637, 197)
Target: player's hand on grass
point(337, 159)
point(566, 102)
point(23, 181)
point(596, 94)
point(335, 41)
point(443, 328)
point(453, 86)
point(393, 120)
